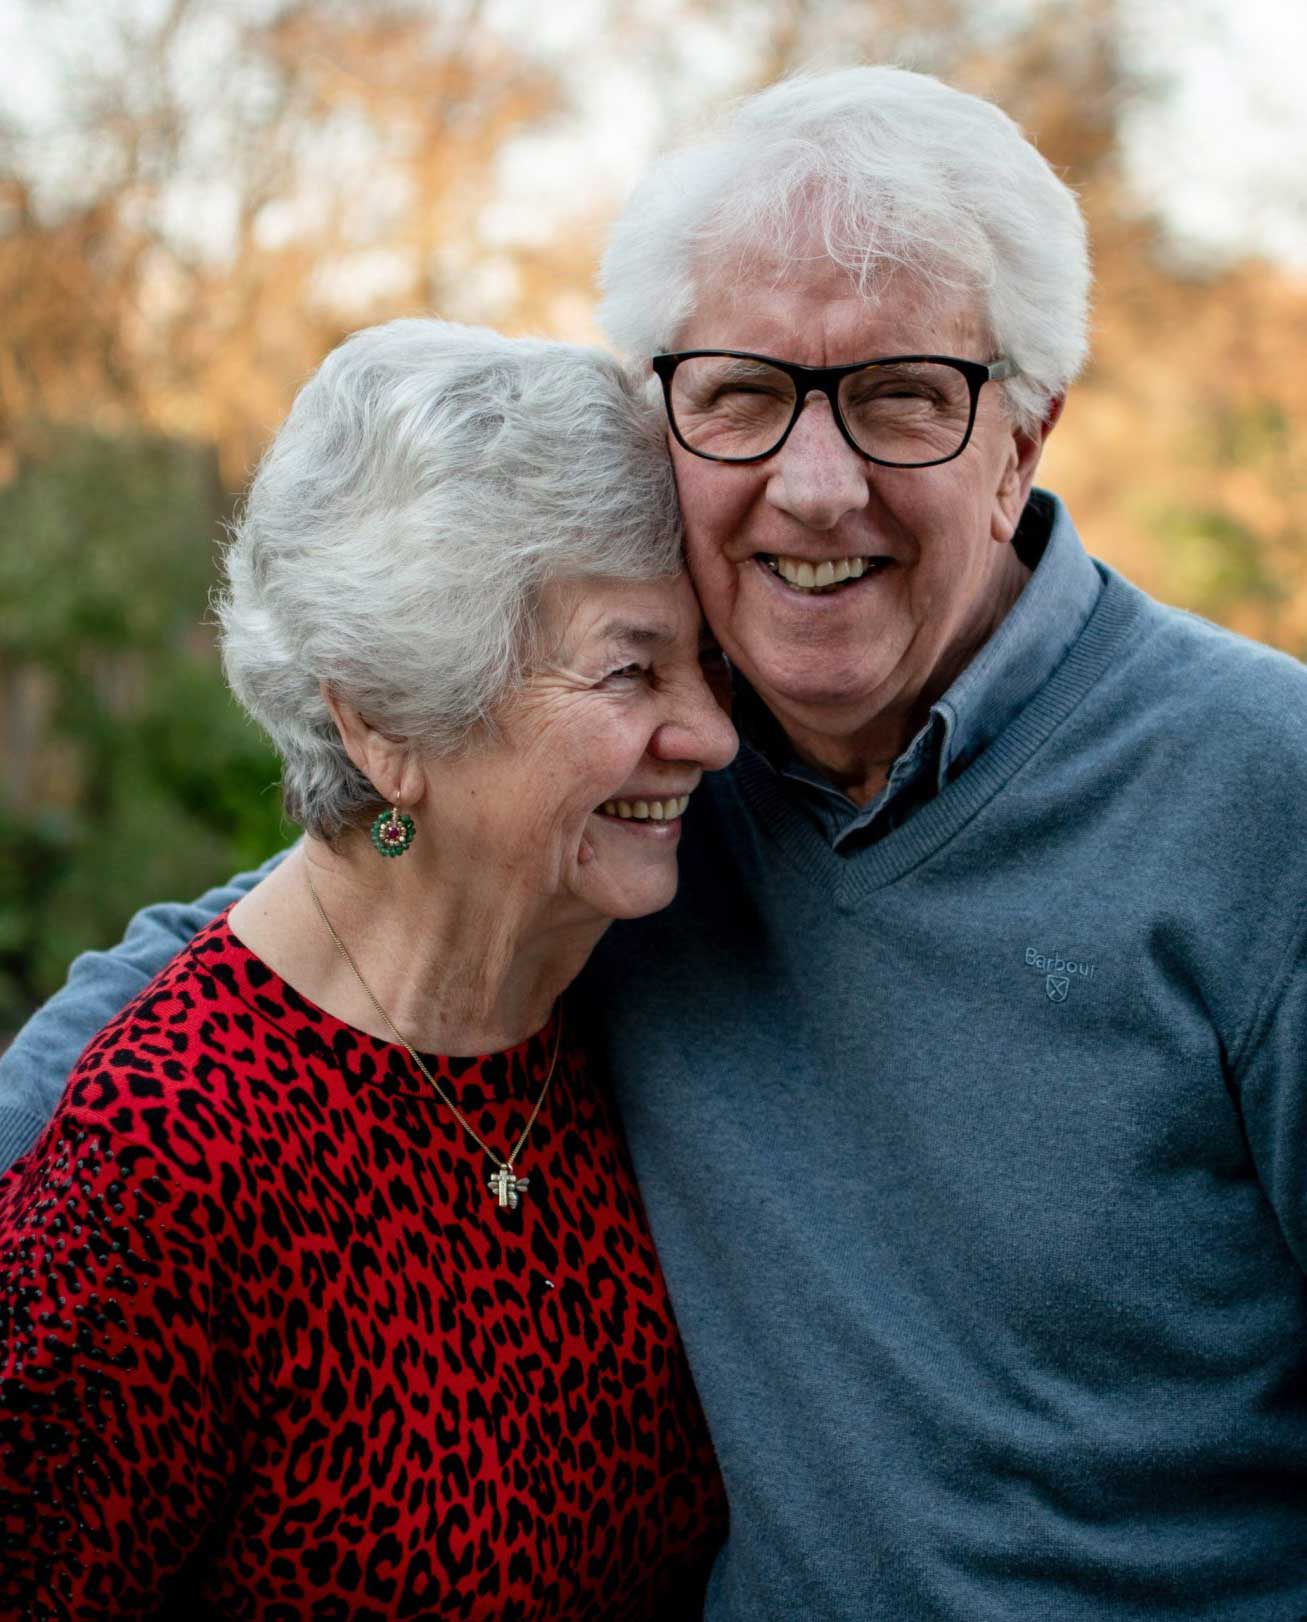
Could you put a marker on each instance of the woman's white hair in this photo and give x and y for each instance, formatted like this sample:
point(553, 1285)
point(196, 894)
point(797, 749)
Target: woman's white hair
point(429, 481)
point(896, 172)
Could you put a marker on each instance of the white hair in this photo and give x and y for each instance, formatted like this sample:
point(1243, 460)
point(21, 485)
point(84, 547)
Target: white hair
point(429, 481)
point(895, 171)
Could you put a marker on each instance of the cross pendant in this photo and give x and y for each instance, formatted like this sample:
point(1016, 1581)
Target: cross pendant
point(507, 1187)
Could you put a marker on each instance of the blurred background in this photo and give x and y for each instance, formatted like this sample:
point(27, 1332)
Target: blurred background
point(198, 198)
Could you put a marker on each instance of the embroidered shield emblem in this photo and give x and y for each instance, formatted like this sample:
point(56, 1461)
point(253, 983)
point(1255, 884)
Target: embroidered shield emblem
point(1057, 986)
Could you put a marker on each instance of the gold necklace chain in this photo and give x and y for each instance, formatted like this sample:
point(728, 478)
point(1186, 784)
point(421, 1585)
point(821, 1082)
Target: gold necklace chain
point(505, 1184)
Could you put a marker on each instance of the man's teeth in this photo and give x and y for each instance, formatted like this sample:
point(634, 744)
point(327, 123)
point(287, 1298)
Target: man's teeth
point(646, 810)
point(818, 576)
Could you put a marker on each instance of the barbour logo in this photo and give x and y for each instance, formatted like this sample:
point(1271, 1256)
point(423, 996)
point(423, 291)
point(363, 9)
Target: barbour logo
point(1060, 972)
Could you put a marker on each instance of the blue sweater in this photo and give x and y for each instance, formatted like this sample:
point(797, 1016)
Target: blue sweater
point(977, 1155)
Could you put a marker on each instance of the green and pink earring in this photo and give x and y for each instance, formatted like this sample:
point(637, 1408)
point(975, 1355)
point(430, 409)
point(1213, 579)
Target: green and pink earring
point(392, 832)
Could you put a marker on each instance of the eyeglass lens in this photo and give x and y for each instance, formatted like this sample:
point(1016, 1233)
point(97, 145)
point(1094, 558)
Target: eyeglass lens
point(905, 412)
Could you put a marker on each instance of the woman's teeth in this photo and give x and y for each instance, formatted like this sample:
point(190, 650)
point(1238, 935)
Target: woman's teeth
point(819, 576)
point(646, 810)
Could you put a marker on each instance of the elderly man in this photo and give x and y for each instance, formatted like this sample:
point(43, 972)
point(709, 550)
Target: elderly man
point(966, 1080)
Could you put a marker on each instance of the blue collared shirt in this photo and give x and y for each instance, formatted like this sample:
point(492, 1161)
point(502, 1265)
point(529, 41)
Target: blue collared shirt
point(1009, 670)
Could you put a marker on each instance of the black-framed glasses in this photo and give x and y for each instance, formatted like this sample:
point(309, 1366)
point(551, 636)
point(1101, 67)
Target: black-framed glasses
point(728, 405)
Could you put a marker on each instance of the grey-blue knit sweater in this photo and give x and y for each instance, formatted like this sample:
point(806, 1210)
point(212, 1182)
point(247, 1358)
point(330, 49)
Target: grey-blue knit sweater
point(977, 1156)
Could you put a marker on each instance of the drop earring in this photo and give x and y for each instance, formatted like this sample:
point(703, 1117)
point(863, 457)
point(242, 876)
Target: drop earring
point(392, 833)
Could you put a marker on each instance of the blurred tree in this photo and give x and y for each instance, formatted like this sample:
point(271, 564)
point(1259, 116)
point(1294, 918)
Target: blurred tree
point(240, 187)
point(128, 772)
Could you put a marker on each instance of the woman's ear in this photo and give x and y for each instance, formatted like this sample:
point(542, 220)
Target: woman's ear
point(389, 764)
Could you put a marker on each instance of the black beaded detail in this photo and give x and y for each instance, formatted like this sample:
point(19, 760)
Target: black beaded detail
point(64, 1348)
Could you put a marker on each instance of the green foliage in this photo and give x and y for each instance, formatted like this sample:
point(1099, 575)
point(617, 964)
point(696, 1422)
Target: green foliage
point(1251, 434)
point(107, 546)
point(1212, 561)
point(141, 779)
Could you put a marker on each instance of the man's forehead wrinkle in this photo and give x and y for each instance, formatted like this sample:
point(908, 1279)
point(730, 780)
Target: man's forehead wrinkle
point(871, 245)
point(741, 277)
point(817, 328)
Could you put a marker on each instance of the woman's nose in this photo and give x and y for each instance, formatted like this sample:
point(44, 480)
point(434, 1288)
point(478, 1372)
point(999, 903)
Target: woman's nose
point(817, 476)
point(698, 730)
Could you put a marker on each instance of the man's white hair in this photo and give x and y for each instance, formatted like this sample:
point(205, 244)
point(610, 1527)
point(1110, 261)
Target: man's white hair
point(896, 172)
point(429, 481)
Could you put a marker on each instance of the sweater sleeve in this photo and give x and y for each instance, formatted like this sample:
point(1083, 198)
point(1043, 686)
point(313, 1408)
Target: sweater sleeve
point(118, 1424)
point(1273, 1092)
point(36, 1067)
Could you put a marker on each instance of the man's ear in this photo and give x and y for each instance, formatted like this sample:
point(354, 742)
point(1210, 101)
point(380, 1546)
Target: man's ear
point(389, 764)
point(1019, 472)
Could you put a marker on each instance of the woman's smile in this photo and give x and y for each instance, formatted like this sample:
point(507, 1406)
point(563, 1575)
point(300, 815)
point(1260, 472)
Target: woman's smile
point(647, 810)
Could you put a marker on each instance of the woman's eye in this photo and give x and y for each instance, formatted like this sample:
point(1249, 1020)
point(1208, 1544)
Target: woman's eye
point(626, 673)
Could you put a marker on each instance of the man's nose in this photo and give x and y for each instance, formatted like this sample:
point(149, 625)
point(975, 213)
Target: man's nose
point(817, 477)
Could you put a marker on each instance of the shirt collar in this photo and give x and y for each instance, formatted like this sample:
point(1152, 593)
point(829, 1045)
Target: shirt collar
point(1034, 638)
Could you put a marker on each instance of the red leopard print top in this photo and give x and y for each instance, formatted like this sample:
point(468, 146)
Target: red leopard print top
point(270, 1348)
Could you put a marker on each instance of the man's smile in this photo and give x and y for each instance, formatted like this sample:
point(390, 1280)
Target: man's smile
point(823, 576)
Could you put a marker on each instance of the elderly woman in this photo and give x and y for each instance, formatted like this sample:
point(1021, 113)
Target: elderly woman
point(328, 1291)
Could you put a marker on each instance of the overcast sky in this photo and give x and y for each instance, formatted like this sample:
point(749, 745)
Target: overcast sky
point(1225, 152)
point(1222, 154)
